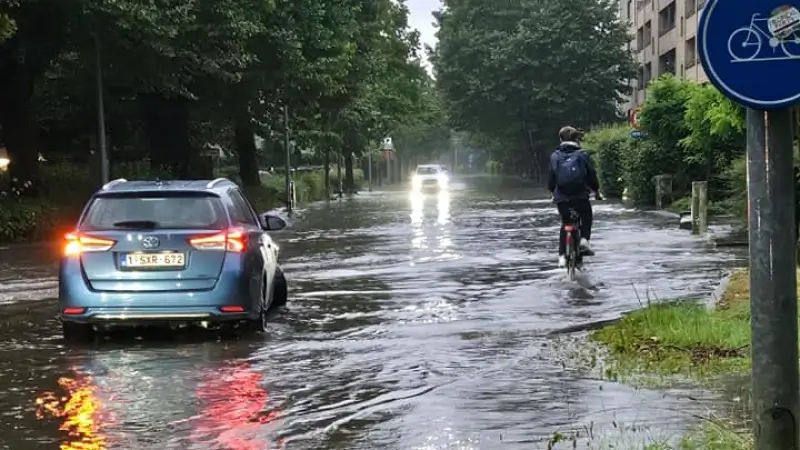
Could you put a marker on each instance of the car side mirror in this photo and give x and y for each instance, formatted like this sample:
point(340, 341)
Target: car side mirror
point(272, 222)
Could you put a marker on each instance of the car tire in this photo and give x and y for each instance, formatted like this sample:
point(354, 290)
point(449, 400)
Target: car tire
point(260, 323)
point(280, 290)
point(76, 332)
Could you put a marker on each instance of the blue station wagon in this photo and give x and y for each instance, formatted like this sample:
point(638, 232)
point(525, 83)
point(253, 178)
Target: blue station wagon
point(169, 252)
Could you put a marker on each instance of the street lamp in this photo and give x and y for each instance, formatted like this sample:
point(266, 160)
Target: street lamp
point(287, 147)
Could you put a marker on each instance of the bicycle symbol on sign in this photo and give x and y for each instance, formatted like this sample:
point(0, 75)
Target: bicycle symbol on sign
point(782, 30)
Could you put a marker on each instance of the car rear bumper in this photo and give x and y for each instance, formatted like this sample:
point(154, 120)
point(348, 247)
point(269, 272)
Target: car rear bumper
point(135, 316)
point(233, 289)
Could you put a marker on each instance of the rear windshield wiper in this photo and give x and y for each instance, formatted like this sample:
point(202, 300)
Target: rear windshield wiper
point(146, 224)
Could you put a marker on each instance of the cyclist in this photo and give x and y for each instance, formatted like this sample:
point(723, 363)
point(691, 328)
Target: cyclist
point(572, 179)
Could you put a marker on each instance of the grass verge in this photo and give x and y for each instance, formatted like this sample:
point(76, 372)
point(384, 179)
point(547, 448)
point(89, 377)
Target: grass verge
point(688, 340)
point(685, 337)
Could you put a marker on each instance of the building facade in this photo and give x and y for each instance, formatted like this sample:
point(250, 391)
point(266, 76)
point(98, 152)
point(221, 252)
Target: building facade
point(664, 41)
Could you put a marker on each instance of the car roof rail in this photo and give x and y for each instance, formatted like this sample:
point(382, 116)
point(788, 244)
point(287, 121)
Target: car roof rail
point(113, 183)
point(213, 183)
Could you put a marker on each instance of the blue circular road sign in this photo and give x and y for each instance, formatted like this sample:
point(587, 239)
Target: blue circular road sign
point(750, 51)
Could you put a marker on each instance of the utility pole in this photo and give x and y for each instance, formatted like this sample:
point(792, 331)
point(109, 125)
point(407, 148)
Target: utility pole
point(766, 84)
point(288, 180)
point(102, 157)
point(339, 171)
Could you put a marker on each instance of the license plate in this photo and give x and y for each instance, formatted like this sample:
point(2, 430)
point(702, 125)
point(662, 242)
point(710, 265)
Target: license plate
point(153, 260)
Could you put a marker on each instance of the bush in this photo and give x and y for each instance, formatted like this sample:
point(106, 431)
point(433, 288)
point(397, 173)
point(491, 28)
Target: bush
point(66, 187)
point(736, 184)
point(608, 144)
point(641, 162)
point(63, 191)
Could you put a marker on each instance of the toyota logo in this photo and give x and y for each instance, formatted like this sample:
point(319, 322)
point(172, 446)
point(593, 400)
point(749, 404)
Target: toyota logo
point(150, 242)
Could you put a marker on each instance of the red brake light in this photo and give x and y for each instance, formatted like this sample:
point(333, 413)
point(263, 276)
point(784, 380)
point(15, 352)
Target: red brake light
point(231, 240)
point(74, 311)
point(77, 244)
point(231, 309)
point(569, 228)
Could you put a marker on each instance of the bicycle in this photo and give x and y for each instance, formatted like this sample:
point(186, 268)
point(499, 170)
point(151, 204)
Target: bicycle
point(745, 43)
point(572, 241)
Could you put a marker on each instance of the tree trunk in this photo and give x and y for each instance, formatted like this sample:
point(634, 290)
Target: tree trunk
point(349, 176)
point(18, 124)
point(167, 128)
point(246, 148)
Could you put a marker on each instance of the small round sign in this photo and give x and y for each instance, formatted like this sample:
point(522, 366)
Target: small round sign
point(751, 51)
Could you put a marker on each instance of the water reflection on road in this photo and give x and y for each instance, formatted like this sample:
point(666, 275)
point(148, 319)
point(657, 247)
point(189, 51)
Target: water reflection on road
point(416, 322)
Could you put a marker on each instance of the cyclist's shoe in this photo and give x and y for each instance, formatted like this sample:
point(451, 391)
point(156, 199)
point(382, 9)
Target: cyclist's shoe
point(586, 250)
point(562, 261)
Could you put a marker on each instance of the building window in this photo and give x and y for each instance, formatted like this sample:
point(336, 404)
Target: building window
point(639, 39)
point(666, 19)
point(640, 78)
point(648, 33)
point(630, 2)
point(648, 75)
point(666, 63)
point(683, 24)
point(691, 52)
point(690, 8)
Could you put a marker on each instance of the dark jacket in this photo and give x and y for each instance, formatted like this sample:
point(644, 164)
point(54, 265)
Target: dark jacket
point(592, 184)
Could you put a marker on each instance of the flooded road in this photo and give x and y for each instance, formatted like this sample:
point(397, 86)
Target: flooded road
point(413, 323)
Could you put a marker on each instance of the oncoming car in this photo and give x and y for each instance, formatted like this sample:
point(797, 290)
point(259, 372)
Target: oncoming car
point(430, 176)
point(169, 252)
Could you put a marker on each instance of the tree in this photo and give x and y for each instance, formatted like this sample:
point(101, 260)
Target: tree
point(34, 33)
point(517, 71)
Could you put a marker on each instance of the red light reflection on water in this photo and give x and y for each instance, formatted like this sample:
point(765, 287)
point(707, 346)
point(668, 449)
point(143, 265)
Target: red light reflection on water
point(78, 409)
point(234, 409)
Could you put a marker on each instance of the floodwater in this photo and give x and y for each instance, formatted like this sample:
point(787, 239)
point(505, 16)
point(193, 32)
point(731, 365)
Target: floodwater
point(415, 322)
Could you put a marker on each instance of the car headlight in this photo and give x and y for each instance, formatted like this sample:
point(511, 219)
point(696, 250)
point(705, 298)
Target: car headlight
point(415, 180)
point(443, 179)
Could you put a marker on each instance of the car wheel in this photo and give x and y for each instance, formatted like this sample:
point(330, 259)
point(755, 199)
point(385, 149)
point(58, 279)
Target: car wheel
point(76, 332)
point(260, 323)
point(280, 290)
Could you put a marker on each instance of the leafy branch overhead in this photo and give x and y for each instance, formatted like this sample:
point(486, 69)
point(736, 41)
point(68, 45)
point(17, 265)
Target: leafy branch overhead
point(517, 71)
point(181, 75)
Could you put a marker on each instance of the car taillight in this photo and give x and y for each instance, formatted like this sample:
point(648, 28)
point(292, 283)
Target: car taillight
point(231, 240)
point(77, 244)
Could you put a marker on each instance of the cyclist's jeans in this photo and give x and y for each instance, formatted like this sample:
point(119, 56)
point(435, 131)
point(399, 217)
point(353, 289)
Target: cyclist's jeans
point(584, 209)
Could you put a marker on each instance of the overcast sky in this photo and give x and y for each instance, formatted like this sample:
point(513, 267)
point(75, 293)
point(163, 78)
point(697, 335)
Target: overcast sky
point(422, 20)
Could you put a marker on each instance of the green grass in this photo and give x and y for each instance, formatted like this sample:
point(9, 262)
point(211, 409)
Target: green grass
point(689, 341)
point(683, 337)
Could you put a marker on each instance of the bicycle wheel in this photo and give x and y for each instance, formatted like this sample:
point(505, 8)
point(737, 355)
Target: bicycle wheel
point(572, 261)
point(741, 45)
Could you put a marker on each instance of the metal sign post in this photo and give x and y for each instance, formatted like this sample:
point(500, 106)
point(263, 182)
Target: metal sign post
point(751, 53)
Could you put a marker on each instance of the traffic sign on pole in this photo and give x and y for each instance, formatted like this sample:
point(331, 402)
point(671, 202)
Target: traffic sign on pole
point(751, 51)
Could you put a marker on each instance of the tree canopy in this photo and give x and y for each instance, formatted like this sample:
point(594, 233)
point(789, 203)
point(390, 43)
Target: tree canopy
point(180, 75)
point(515, 72)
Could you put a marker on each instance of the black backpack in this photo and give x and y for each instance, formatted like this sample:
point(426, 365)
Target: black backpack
point(570, 173)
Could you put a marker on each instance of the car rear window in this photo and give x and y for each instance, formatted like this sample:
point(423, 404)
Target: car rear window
point(427, 170)
point(155, 211)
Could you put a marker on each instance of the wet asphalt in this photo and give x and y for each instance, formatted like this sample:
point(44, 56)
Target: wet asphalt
point(414, 322)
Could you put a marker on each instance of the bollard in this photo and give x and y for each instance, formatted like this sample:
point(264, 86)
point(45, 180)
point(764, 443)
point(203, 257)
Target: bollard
point(663, 185)
point(699, 207)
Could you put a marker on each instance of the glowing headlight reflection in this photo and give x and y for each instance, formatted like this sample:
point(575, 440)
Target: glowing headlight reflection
point(417, 207)
point(443, 208)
